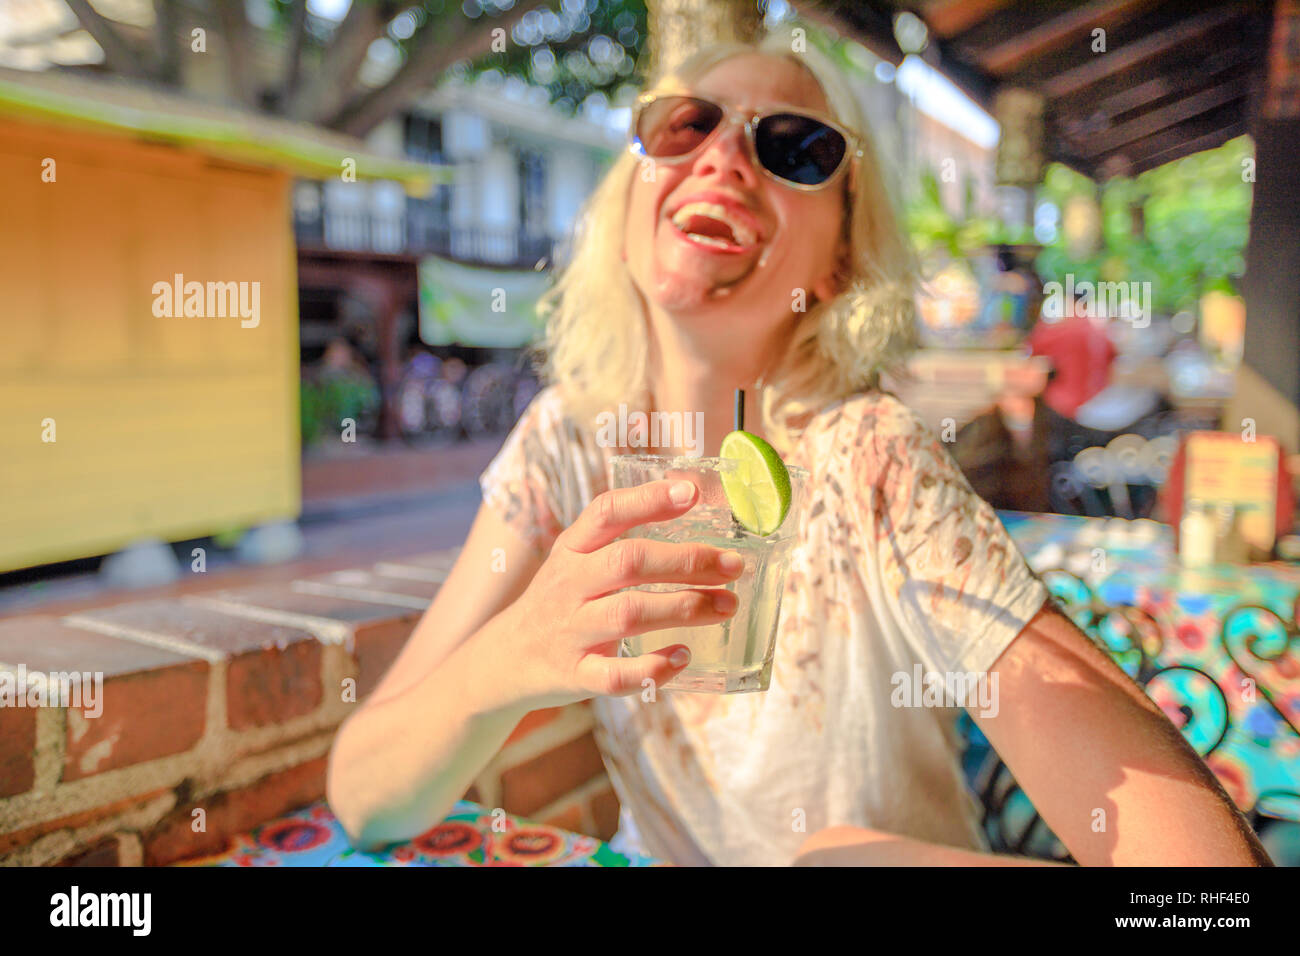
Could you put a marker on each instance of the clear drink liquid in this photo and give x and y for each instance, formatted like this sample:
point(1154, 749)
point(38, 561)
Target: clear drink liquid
point(736, 655)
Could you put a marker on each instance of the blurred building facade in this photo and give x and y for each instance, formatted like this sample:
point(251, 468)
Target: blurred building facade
point(520, 172)
point(460, 269)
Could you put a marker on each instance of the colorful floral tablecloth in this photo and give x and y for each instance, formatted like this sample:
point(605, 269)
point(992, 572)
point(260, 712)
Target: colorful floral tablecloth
point(1218, 649)
point(470, 836)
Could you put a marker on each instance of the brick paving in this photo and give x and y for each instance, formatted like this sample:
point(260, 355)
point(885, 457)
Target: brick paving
point(340, 472)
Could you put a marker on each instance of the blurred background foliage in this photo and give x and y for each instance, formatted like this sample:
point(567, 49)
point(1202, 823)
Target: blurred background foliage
point(934, 228)
point(348, 66)
point(587, 49)
point(1195, 218)
point(574, 49)
point(1182, 227)
point(324, 404)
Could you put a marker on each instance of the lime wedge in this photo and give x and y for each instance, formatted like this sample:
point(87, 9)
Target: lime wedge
point(759, 490)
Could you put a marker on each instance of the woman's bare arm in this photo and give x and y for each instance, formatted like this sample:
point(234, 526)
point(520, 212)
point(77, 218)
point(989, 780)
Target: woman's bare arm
point(412, 749)
point(859, 846)
point(1108, 772)
point(508, 633)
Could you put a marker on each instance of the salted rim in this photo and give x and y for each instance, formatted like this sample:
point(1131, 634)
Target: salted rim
point(680, 461)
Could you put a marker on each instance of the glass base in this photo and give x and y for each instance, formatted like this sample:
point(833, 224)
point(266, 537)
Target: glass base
point(748, 680)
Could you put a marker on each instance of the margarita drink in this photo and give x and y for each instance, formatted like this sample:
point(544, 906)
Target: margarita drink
point(734, 656)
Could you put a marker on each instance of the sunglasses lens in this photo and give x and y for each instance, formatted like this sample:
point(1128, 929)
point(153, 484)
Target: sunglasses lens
point(799, 148)
point(675, 125)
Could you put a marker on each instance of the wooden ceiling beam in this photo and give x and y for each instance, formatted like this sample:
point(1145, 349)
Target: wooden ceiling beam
point(1052, 34)
point(1131, 54)
point(947, 18)
point(1174, 139)
point(1078, 127)
point(1141, 161)
point(871, 22)
point(1148, 124)
point(1167, 84)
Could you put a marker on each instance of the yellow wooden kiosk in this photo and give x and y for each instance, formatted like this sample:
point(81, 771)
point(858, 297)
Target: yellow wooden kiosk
point(149, 313)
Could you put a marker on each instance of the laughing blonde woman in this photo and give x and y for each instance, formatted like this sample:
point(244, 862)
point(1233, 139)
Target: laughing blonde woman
point(746, 241)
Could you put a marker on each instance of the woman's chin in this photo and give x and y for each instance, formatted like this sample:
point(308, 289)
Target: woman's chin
point(692, 285)
point(678, 294)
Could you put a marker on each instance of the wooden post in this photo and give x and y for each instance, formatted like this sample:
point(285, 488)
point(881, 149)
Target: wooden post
point(1268, 379)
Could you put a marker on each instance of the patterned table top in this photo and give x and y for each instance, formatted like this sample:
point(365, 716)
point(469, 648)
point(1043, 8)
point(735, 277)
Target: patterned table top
point(1218, 649)
point(470, 836)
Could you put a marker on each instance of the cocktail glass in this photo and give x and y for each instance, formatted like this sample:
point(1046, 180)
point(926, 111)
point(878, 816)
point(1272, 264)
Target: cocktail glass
point(733, 657)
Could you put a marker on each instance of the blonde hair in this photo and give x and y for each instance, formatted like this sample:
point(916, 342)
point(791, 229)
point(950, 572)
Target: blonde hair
point(596, 345)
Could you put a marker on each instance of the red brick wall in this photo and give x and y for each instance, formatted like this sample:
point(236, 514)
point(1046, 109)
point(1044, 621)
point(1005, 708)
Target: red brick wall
point(227, 703)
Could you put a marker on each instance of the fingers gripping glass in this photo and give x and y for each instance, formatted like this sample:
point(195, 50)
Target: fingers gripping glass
point(799, 149)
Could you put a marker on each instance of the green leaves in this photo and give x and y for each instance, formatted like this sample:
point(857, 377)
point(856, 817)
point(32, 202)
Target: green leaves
point(932, 227)
point(575, 55)
point(1196, 218)
point(326, 401)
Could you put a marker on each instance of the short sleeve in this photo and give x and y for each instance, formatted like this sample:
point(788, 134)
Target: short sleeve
point(960, 588)
point(520, 483)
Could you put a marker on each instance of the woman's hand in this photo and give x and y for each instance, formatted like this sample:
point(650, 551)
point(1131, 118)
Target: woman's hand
point(560, 639)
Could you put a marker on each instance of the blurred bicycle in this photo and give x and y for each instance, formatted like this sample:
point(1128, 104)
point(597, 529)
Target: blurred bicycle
point(489, 400)
point(414, 395)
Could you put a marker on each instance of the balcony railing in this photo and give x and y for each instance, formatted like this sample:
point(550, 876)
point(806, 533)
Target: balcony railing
point(419, 228)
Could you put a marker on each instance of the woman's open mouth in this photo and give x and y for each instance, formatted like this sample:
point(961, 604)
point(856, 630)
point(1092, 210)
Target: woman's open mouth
point(714, 226)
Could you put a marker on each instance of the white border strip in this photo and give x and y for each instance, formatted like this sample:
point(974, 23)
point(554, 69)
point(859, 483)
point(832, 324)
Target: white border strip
point(322, 628)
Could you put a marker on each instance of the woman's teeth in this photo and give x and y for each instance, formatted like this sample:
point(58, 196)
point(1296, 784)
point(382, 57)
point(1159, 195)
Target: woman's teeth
point(710, 241)
point(740, 234)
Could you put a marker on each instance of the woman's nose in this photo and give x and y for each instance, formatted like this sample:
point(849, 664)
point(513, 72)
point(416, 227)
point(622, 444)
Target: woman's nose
point(727, 157)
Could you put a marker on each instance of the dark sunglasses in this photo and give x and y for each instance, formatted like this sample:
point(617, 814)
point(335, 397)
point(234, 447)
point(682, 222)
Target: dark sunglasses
point(798, 149)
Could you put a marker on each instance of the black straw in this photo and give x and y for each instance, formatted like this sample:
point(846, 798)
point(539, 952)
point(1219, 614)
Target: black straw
point(739, 422)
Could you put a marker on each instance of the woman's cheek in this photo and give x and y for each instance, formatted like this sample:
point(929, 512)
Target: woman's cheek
point(801, 251)
point(821, 241)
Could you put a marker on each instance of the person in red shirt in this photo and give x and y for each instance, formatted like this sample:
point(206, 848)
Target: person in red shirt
point(1081, 353)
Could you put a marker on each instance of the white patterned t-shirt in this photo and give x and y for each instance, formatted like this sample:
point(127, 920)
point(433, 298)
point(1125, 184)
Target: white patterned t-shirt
point(900, 572)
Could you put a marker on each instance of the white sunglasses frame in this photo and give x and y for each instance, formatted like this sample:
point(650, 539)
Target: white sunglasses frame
point(853, 150)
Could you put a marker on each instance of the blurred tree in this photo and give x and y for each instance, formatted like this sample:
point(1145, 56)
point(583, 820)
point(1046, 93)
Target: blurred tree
point(1191, 228)
point(594, 53)
point(357, 63)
